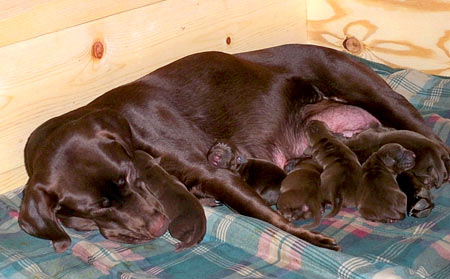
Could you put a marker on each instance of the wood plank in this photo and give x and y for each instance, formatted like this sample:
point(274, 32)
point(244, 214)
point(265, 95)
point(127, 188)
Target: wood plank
point(54, 73)
point(407, 34)
point(24, 19)
point(12, 179)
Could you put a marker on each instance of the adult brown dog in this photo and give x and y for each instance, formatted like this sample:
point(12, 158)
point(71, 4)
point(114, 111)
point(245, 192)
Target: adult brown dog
point(254, 99)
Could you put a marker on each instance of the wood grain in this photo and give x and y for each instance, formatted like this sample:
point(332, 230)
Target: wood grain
point(24, 19)
point(56, 72)
point(407, 34)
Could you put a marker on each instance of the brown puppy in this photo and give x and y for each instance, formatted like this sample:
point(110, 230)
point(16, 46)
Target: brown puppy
point(416, 182)
point(341, 170)
point(379, 187)
point(182, 208)
point(263, 176)
point(256, 99)
point(225, 155)
point(300, 195)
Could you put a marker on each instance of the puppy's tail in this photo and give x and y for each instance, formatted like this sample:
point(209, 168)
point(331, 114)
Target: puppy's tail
point(336, 206)
point(316, 211)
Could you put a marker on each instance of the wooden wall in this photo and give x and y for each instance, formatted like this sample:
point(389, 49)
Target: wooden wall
point(57, 55)
point(412, 34)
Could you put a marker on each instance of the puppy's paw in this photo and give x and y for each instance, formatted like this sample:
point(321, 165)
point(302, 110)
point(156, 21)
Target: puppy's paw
point(297, 207)
point(420, 199)
point(294, 213)
point(420, 205)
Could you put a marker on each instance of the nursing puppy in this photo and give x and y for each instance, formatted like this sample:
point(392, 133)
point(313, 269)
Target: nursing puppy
point(415, 182)
point(379, 186)
point(341, 173)
point(182, 209)
point(300, 193)
point(263, 176)
point(296, 195)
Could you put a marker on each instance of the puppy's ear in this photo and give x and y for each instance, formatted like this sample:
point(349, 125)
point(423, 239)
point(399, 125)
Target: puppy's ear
point(144, 159)
point(38, 217)
point(388, 161)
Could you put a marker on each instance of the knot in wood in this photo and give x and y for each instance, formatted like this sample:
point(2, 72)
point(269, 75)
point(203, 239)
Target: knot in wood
point(352, 45)
point(98, 50)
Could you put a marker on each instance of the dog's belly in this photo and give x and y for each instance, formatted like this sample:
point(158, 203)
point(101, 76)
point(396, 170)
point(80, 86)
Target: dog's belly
point(347, 120)
point(341, 119)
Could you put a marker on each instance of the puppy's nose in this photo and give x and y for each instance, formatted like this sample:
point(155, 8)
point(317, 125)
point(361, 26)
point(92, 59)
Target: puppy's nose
point(408, 159)
point(314, 126)
point(158, 224)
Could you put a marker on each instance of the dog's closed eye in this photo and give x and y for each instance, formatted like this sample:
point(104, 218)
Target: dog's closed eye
point(121, 182)
point(105, 202)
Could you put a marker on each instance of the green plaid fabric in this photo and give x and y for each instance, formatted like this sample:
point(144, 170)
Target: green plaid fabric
point(236, 246)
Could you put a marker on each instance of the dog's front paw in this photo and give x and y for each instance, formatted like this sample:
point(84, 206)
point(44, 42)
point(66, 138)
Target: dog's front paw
point(432, 165)
point(316, 238)
point(190, 226)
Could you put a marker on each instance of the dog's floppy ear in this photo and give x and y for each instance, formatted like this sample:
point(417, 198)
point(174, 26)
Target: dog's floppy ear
point(38, 216)
point(115, 128)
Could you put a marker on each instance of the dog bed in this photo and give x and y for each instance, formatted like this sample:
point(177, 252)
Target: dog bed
point(236, 246)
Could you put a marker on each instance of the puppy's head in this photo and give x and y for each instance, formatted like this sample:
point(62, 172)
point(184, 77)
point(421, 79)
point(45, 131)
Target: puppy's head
point(225, 155)
point(84, 176)
point(397, 157)
point(316, 130)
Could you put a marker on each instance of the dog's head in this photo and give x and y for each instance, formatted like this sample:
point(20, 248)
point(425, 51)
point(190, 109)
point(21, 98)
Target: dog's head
point(84, 177)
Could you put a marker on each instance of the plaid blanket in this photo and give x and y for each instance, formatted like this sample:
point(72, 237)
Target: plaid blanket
point(236, 246)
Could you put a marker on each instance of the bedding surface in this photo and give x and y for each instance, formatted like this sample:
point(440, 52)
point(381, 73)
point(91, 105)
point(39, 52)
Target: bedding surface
point(236, 246)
